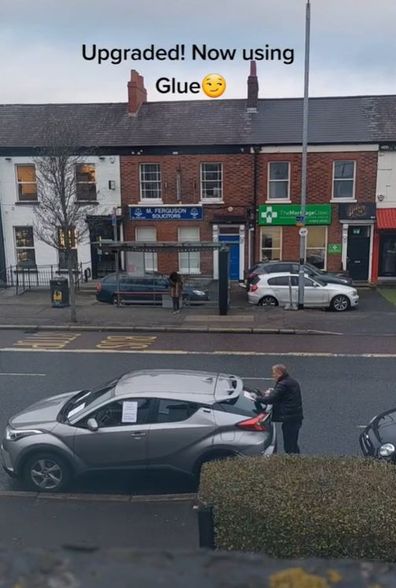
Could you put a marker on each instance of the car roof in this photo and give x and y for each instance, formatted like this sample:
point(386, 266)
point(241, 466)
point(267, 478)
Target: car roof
point(197, 386)
point(279, 274)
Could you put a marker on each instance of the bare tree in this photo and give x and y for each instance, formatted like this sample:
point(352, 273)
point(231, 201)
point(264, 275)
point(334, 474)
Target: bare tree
point(60, 220)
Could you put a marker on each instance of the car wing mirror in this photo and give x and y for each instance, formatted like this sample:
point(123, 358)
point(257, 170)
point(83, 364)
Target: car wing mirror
point(92, 425)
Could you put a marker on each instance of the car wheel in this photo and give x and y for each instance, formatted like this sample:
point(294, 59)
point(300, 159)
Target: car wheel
point(46, 472)
point(268, 301)
point(340, 303)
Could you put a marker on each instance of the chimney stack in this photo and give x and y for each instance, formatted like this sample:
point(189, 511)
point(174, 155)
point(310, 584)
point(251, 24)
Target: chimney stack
point(137, 93)
point(252, 84)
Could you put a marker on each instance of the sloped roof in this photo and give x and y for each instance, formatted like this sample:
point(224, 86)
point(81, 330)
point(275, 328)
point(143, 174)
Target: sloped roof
point(357, 119)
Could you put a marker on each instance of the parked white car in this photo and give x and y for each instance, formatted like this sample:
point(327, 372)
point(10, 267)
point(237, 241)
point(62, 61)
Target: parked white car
point(273, 290)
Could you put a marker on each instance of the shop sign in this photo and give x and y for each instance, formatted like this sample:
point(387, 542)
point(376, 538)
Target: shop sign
point(174, 213)
point(333, 248)
point(356, 211)
point(290, 214)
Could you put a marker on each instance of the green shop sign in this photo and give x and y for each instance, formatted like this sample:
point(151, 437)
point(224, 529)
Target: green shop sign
point(290, 214)
point(334, 248)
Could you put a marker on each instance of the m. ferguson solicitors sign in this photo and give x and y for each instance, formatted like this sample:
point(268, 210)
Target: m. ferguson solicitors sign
point(165, 213)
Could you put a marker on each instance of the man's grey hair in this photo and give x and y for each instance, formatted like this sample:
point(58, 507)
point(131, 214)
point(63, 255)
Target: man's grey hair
point(280, 367)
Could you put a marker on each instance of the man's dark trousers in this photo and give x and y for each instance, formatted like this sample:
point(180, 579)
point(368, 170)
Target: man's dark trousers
point(290, 430)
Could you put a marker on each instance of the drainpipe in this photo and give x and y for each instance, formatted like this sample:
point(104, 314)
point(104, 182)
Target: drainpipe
point(256, 151)
point(3, 273)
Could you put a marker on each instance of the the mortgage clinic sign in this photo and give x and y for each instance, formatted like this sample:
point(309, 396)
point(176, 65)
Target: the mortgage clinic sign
point(158, 213)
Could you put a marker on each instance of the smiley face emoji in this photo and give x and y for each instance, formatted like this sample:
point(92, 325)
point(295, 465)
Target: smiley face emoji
point(213, 85)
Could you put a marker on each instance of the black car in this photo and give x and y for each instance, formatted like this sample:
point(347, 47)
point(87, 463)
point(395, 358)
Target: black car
point(292, 267)
point(144, 289)
point(379, 437)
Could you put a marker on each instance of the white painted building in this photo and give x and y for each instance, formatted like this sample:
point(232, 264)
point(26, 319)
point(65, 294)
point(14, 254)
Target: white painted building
point(384, 253)
point(98, 187)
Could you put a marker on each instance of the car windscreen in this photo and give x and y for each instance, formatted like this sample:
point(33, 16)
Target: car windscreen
point(313, 269)
point(87, 398)
point(246, 403)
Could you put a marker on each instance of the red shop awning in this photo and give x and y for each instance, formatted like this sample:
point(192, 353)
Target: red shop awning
point(386, 218)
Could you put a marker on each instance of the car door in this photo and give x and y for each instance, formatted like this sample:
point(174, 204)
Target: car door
point(181, 431)
point(122, 438)
point(280, 288)
point(314, 293)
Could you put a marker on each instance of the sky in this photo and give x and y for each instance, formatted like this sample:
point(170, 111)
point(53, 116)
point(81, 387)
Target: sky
point(353, 47)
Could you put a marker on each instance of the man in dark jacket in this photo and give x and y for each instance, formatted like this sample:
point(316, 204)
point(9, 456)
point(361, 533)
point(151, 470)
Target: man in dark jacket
point(287, 406)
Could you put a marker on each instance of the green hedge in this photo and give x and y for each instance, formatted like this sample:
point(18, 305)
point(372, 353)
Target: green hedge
point(292, 506)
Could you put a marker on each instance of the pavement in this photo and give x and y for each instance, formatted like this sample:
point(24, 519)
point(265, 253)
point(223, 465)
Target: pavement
point(33, 309)
point(91, 522)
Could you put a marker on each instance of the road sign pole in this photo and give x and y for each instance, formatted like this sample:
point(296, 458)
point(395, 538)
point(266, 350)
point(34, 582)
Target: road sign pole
point(304, 159)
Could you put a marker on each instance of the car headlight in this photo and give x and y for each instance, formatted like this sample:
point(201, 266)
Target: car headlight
point(16, 434)
point(387, 449)
point(199, 293)
point(354, 292)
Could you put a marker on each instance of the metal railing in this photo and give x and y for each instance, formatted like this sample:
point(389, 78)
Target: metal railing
point(29, 278)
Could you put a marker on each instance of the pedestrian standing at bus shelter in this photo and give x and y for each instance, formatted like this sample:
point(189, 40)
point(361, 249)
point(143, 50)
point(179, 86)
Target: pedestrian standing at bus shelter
point(176, 290)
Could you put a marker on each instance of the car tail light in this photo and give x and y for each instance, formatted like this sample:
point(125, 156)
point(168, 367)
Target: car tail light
point(98, 287)
point(256, 423)
point(253, 287)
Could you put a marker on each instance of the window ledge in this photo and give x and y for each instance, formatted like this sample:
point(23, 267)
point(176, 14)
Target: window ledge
point(279, 201)
point(343, 200)
point(211, 201)
point(27, 203)
point(149, 202)
point(87, 202)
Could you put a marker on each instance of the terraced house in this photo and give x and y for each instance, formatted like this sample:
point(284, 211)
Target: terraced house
point(212, 170)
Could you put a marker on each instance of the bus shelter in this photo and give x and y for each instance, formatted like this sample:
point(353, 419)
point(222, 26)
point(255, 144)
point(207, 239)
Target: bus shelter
point(128, 260)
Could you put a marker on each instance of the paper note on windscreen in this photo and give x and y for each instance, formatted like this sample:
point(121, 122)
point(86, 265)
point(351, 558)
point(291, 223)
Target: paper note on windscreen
point(129, 411)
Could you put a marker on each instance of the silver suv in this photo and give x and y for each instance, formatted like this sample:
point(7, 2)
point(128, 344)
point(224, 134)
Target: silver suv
point(176, 419)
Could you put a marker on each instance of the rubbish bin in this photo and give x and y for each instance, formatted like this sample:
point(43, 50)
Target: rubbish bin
point(59, 292)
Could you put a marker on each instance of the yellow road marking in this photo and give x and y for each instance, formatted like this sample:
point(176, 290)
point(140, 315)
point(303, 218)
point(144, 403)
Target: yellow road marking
point(126, 342)
point(47, 341)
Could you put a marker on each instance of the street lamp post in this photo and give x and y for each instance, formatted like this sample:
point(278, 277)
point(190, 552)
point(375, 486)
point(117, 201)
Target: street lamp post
point(303, 234)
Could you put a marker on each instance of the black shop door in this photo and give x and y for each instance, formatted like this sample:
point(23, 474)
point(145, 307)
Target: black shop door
point(358, 253)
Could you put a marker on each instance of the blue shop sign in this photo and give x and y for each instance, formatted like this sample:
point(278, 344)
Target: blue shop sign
point(157, 213)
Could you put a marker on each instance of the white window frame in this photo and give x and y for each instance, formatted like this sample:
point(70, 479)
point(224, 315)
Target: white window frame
point(217, 198)
point(143, 198)
point(83, 183)
point(281, 200)
point(319, 248)
point(343, 199)
point(150, 258)
point(184, 270)
point(21, 183)
point(24, 247)
point(263, 229)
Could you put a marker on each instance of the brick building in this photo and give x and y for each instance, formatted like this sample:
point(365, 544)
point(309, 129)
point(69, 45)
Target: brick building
point(213, 170)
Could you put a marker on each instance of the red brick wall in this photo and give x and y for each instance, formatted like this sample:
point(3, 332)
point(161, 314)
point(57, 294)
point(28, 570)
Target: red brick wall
point(238, 184)
point(319, 191)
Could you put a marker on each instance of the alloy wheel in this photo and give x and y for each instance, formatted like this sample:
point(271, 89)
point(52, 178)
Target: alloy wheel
point(46, 474)
point(340, 303)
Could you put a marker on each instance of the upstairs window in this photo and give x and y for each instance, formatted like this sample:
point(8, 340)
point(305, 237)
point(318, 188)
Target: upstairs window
point(150, 181)
point(211, 181)
point(278, 180)
point(86, 182)
point(27, 183)
point(344, 180)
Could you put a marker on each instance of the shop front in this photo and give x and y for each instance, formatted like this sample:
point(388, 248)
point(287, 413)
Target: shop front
point(357, 221)
point(384, 251)
point(279, 238)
